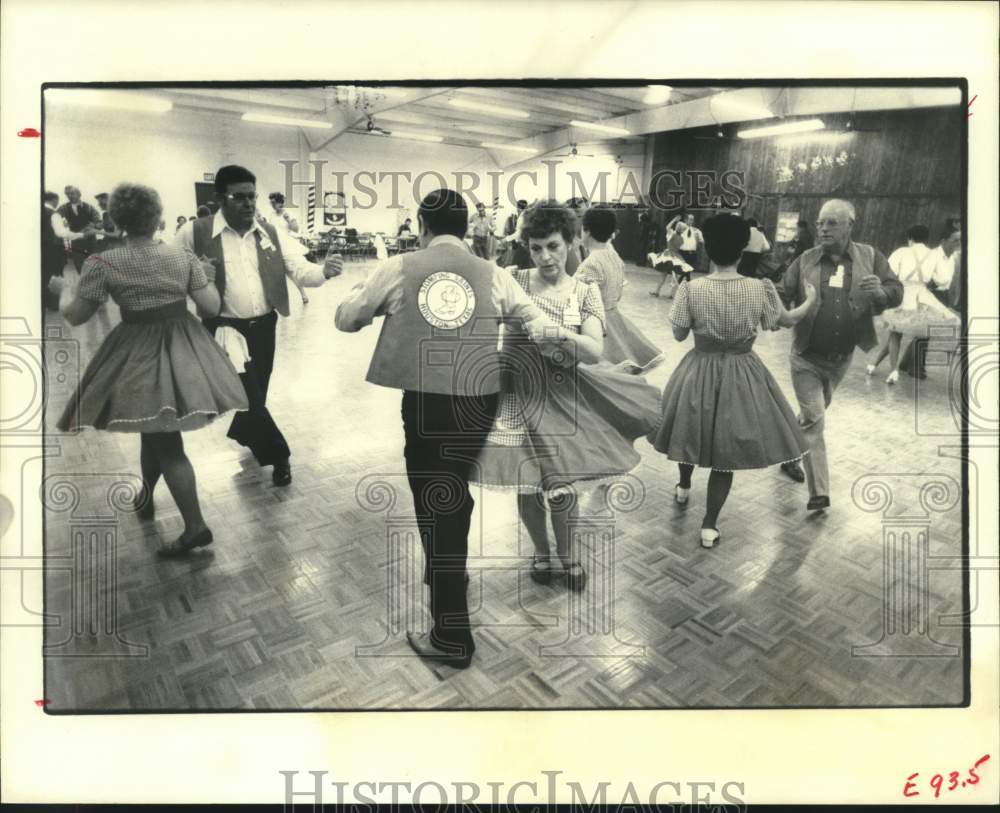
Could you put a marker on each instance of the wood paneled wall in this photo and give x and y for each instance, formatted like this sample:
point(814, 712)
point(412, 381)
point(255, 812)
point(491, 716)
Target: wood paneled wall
point(898, 168)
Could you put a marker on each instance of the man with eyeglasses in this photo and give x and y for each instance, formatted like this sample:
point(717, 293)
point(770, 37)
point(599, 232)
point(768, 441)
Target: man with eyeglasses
point(854, 282)
point(249, 261)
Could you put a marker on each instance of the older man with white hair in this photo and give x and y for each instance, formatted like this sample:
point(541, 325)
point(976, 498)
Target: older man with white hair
point(854, 282)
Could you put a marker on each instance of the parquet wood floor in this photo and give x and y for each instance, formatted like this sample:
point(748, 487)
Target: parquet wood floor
point(303, 600)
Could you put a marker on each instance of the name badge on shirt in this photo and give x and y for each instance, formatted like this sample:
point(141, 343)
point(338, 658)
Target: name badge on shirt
point(571, 314)
point(837, 279)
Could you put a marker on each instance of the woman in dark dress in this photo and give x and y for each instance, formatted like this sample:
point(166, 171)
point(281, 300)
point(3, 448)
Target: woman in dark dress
point(159, 372)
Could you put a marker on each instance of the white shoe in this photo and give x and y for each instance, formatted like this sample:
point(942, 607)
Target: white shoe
point(893, 377)
point(709, 536)
point(870, 369)
point(681, 495)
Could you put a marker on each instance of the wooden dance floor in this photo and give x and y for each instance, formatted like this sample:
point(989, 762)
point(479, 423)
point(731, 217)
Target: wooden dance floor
point(303, 600)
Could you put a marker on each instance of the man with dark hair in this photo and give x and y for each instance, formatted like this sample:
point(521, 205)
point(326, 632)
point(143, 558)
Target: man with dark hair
point(249, 262)
point(854, 282)
point(442, 307)
point(54, 234)
point(481, 226)
point(82, 219)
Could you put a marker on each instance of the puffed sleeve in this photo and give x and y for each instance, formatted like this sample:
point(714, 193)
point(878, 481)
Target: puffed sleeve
point(680, 311)
point(593, 305)
point(197, 278)
point(589, 271)
point(93, 280)
point(771, 307)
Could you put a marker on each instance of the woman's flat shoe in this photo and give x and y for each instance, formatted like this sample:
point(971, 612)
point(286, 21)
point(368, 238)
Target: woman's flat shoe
point(709, 537)
point(681, 495)
point(576, 576)
point(870, 369)
point(893, 377)
point(182, 546)
point(541, 570)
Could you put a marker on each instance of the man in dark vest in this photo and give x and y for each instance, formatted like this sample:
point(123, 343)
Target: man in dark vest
point(85, 220)
point(442, 307)
point(53, 247)
point(250, 261)
point(854, 282)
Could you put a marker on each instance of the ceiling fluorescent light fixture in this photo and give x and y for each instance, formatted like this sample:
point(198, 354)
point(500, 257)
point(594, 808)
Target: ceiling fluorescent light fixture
point(512, 147)
point(657, 94)
point(783, 129)
point(490, 109)
point(416, 136)
point(600, 128)
point(119, 100)
point(263, 118)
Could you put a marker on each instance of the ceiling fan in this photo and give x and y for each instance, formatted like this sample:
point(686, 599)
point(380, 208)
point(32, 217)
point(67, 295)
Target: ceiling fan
point(573, 153)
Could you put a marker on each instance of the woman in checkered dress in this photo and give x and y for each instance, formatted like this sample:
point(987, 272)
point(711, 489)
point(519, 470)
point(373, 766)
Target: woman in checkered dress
point(565, 417)
point(159, 372)
point(624, 343)
point(722, 409)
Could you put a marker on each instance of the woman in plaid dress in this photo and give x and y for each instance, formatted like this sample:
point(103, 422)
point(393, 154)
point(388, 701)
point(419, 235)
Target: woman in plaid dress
point(722, 409)
point(159, 372)
point(624, 343)
point(564, 417)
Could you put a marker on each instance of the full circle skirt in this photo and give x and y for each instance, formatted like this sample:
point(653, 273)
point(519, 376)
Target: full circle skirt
point(560, 425)
point(725, 411)
point(161, 376)
point(625, 343)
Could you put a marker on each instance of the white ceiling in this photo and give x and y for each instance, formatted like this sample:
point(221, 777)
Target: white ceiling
point(547, 128)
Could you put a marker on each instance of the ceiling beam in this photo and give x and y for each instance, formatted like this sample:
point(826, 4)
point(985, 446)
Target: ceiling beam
point(736, 106)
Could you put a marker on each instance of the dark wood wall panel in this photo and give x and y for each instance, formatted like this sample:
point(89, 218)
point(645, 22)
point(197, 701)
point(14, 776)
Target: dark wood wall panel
point(898, 168)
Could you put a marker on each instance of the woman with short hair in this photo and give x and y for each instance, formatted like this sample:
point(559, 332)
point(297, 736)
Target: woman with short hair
point(624, 343)
point(159, 372)
point(564, 417)
point(722, 409)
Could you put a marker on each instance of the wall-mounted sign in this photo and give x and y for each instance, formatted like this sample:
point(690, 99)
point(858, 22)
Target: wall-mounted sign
point(208, 176)
point(335, 210)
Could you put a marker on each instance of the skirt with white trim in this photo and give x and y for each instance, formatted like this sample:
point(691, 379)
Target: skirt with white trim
point(562, 425)
point(161, 376)
point(725, 411)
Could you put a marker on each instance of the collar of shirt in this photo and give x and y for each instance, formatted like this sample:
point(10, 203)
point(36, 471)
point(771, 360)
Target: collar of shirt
point(446, 239)
point(851, 251)
point(219, 225)
point(52, 208)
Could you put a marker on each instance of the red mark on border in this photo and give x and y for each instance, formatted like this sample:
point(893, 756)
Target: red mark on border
point(29, 132)
point(947, 782)
point(969, 105)
point(44, 702)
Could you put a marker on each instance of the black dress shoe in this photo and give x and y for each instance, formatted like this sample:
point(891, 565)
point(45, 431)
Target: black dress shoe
point(182, 546)
point(818, 503)
point(425, 648)
point(282, 474)
point(794, 470)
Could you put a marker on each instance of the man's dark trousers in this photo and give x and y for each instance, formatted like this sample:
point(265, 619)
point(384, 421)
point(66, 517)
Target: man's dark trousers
point(256, 428)
point(444, 435)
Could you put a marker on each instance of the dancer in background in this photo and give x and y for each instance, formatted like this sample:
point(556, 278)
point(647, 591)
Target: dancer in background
point(158, 373)
point(564, 418)
point(670, 262)
point(916, 266)
point(722, 408)
point(624, 343)
point(284, 222)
